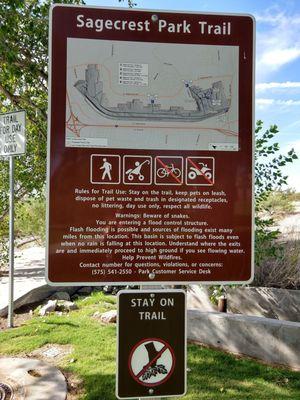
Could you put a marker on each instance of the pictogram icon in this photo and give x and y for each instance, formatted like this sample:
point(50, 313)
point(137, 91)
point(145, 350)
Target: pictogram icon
point(137, 170)
point(168, 170)
point(151, 362)
point(105, 169)
point(200, 171)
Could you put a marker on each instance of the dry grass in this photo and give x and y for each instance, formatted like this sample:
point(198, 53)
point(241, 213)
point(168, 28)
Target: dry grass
point(283, 269)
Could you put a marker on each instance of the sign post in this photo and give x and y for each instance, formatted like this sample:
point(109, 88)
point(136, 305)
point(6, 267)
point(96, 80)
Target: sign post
point(10, 321)
point(150, 168)
point(12, 143)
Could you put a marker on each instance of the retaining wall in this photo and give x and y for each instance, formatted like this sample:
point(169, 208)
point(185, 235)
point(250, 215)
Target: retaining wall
point(274, 303)
point(270, 340)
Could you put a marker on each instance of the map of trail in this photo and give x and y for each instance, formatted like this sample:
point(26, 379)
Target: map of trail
point(151, 95)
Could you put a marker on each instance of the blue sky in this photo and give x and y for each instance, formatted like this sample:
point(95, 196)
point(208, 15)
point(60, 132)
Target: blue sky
point(277, 60)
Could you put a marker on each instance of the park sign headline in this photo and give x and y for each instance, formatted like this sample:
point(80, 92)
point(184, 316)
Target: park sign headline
point(150, 147)
point(204, 28)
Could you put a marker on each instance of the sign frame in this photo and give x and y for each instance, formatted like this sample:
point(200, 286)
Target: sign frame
point(150, 282)
point(149, 291)
point(23, 150)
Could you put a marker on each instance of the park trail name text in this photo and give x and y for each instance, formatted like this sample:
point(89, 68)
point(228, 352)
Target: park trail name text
point(161, 25)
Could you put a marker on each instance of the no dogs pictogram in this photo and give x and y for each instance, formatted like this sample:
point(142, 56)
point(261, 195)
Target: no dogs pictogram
point(151, 362)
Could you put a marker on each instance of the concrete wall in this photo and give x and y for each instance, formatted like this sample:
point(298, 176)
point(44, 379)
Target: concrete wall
point(270, 340)
point(272, 303)
point(198, 298)
point(265, 302)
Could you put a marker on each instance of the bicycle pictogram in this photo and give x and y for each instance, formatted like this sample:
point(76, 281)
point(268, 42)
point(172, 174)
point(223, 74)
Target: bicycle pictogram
point(168, 170)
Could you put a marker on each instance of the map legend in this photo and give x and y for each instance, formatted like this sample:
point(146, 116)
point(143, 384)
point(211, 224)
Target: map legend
point(133, 74)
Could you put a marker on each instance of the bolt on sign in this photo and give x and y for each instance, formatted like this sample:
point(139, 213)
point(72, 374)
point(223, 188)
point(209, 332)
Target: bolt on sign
point(150, 157)
point(151, 359)
point(12, 133)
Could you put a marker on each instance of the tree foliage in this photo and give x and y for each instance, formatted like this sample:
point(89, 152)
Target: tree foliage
point(269, 176)
point(23, 85)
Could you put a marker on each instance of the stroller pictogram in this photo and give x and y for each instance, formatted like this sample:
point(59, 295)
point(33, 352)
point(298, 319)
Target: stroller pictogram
point(136, 171)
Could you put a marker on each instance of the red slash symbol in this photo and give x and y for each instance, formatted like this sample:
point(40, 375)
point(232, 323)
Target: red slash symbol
point(200, 169)
point(143, 365)
point(170, 169)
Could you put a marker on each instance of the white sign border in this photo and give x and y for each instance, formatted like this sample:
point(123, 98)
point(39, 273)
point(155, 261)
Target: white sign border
point(152, 282)
point(166, 291)
point(25, 137)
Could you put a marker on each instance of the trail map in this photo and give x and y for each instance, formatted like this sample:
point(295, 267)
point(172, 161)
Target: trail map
point(151, 95)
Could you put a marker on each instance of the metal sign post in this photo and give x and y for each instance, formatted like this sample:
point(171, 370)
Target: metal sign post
point(154, 287)
point(12, 143)
point(163, 153)
point(10, 321)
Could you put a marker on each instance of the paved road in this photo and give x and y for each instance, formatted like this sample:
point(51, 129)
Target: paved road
point(29, 273)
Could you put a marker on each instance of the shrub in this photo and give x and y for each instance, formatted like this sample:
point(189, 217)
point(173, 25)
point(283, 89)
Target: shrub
point(30, 218)
point(278, 204)
point(283, 269)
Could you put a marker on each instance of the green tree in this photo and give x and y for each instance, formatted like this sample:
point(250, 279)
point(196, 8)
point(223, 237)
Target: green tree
point(269, 176)
point(23, 85)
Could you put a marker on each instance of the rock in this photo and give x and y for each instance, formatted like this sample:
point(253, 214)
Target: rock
point(61, 296)
point(85, 290)
point(59, 313)
point(49, 307)
point(97, 314)
point(35, 295)
point(98, 288)
point(63, 305)
point(109, 317)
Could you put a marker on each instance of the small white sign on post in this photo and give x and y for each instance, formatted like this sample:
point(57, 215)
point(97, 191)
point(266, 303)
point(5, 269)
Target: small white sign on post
point(12, 143)
point(12, 133)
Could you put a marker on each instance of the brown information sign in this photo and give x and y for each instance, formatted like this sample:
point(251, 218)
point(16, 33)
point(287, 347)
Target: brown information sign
point(151, 344)
point(150, 153)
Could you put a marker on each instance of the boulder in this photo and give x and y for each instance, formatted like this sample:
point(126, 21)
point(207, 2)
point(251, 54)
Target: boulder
point(109, 317)
point(35, 295)
point(49, 307)
point(97, 314)
point(85, 290)
point(98, 288)
point(61, 296)
point(66, 306)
